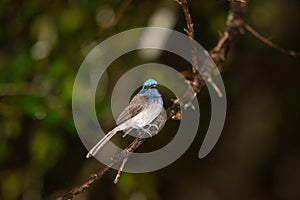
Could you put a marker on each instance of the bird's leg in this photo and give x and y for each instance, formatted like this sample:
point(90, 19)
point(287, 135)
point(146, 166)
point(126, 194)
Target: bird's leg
point(153, 131)
point(143, 130)
point(153, 125)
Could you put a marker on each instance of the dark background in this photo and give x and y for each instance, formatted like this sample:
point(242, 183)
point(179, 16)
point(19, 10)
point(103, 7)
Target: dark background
point(42, 44)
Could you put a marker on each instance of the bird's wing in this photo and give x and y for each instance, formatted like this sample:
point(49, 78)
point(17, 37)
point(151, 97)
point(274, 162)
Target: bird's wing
point(136, 105)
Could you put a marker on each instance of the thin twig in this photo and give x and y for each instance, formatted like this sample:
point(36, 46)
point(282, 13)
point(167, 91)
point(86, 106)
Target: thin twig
point(120, 170)
point(81, 188)
point(197, 82)
point(239, 1)
point(234, 27)
point(215, 87)
point(270, 43)
point(188, 18)
point(223, 38)
point(190, 32)
point(125, 4)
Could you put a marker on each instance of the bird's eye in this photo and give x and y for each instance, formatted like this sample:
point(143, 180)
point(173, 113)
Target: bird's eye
point(154, 86)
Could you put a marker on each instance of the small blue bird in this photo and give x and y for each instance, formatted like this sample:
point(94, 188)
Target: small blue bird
point(144, 111)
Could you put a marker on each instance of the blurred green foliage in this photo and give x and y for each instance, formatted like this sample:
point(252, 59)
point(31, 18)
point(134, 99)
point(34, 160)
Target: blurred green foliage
point(42, 44)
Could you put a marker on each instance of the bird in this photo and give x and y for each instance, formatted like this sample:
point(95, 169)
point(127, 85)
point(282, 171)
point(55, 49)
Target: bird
point(145, 111)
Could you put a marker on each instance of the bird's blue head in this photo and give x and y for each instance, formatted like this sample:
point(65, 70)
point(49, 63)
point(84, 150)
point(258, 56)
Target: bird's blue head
point(149, 84)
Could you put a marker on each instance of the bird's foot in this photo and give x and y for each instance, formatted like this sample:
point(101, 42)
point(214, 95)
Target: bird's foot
point(142, 131)
point(154, 126)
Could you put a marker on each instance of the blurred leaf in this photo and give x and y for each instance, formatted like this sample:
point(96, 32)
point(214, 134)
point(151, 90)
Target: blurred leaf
point(130, 187)
point(127, 183)
point(57, 69)
point(52, 118)
point(12, 128)
point(46, 148)
point(18, 69)
point(32, 105)
point(217, 22)
point(71, 19)
point(12, 184)
point(3, 151)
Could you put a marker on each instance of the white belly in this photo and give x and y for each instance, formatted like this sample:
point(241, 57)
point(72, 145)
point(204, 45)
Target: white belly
point(146, 116)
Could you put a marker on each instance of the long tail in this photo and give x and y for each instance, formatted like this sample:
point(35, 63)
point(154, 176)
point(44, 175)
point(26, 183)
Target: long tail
point(102, 142)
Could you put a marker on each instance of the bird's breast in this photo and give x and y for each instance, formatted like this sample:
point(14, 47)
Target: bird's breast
point(152, 109)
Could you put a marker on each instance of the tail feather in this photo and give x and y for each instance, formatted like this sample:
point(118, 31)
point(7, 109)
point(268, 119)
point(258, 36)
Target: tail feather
point(102, 142)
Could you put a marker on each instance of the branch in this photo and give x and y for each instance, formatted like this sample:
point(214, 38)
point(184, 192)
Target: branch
point(234, 27)
point(81, 188)
point(188, 18)
point(125, 4)
point(270, 43)
point(94, 177)
point(197, 81)
point(239, 1)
